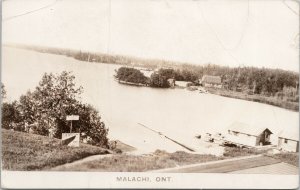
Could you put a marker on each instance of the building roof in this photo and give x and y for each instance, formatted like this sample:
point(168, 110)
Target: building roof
point(247, 129)
point(211, 79)
point(289, 135)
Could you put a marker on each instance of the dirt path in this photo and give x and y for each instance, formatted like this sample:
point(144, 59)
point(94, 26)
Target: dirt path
point(223, 166)
point(77, 162)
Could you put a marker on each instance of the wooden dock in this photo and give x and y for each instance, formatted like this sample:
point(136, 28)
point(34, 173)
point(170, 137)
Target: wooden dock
point(180, 144)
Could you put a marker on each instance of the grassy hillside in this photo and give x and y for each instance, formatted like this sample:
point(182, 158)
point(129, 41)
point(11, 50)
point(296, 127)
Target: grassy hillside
point(23, 151)
point(141, 163)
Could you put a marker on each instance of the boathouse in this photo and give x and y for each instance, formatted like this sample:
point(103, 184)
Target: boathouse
point(288, 141)
point(244, 134)
point(211, 81)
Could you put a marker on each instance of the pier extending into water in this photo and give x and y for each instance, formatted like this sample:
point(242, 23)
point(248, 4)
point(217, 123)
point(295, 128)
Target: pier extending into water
point(180, 144)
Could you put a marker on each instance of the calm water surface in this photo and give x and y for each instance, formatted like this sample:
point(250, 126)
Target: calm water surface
point(177, 113)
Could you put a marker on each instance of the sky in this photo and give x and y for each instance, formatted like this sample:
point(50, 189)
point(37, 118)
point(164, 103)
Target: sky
point(260, 33)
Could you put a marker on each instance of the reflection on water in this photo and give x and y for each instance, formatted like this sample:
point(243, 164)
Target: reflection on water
point(177, 113)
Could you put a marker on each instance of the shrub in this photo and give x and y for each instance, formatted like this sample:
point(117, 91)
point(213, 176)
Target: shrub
point(131, 75)
point(237, 151)
point(157, 80)
point(10, 115)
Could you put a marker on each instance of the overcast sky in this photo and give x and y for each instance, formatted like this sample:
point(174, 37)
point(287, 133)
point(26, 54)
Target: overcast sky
point(262, 33)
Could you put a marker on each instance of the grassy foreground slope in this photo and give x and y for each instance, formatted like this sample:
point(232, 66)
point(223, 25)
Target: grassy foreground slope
point(23, 151)
point(141, 163)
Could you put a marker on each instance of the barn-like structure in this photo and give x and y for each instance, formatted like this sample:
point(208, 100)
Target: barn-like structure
point(244, 134)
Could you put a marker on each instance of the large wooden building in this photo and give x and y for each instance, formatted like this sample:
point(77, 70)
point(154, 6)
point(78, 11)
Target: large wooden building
point(288, 141)
point(243, 134)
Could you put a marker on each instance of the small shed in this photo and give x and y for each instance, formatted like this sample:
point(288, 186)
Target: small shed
point(244, 134)
point(288, 141)
point(211, 81)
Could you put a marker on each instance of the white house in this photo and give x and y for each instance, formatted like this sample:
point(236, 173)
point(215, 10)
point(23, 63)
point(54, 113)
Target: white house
point(241, 133)
point(288, 141)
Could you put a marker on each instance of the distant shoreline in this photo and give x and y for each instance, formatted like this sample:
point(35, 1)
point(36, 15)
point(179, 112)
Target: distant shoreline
point(84, 56)
point(117, 58)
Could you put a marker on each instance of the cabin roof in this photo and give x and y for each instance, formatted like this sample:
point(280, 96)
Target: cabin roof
point(211, 79)
point(289, 135)
point(247, 129)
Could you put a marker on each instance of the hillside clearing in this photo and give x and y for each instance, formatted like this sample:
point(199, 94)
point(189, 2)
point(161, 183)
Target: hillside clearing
point(23, 151)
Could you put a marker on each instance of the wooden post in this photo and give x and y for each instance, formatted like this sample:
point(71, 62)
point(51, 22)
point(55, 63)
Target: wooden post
point(71, 118)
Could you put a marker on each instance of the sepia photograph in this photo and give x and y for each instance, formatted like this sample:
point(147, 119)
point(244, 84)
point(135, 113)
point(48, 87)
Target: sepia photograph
point(150, 94)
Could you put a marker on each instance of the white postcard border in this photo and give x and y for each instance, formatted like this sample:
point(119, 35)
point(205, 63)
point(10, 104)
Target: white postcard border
point(76, 180)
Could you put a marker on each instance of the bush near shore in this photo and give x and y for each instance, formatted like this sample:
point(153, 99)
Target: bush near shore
point(24, 152)
point(131, 75)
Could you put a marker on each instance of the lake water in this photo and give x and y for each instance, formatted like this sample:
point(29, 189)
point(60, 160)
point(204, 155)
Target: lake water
point(177, 113)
